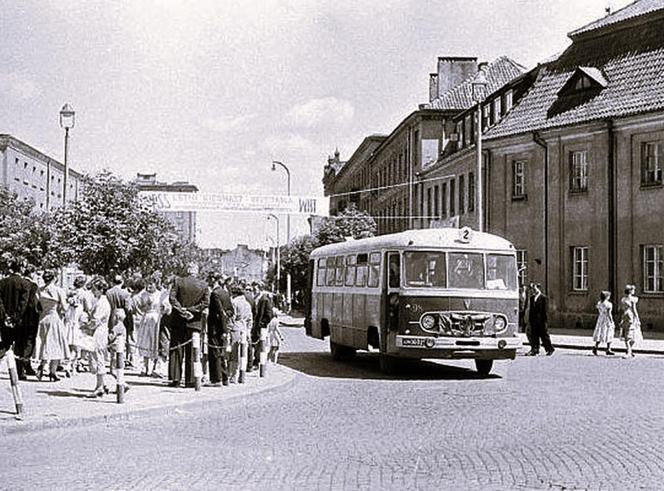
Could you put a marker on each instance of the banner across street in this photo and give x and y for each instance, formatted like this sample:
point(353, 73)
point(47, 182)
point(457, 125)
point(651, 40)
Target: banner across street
point(293, 205)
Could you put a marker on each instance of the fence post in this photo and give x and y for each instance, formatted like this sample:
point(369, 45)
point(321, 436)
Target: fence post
point(13, 379)
point(119, 376)
point(263, 353)
point(196, 355)
point(243, 358)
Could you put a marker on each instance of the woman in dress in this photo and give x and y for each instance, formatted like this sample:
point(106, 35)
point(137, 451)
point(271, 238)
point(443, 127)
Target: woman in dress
point(51, 344)
point(97, 326)
point(630, 322)
point(149, 305)
point(604, 327)
point(78, 303)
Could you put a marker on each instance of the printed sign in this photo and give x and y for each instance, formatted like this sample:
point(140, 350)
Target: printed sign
point(293, 205)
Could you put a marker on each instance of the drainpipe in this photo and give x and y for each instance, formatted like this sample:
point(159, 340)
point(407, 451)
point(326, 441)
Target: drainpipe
point(540, 141)
point(613, 222)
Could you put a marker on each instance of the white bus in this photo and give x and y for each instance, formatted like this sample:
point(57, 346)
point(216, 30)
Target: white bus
point(433, 293)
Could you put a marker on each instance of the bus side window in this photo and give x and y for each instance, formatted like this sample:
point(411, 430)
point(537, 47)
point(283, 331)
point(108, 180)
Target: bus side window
point(362, 270)
point(374, 269)
point(340, 271)
point(395, 271)
point(330, 276)
point(350, 270)
point(320, 275)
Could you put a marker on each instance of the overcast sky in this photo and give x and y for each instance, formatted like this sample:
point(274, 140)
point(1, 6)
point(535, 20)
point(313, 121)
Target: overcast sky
point(211, 91)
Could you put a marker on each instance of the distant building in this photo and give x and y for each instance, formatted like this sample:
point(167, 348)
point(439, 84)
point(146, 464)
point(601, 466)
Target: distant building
point(34, 175)
point(241, 262)
point(183, 221)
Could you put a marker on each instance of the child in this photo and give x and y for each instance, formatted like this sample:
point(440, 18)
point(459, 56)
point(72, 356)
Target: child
point(117, 337)
point(604, 327)
point(275, 339)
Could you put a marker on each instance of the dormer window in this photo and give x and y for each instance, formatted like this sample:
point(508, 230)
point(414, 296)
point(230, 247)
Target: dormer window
point(584, 79)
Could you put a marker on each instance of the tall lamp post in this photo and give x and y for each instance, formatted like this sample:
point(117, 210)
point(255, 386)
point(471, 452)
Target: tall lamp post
point(479, 88)
point(67, 121)
point(276, 163)
point(276, 219)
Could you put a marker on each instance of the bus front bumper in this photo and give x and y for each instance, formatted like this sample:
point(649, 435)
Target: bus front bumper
point(455, 347)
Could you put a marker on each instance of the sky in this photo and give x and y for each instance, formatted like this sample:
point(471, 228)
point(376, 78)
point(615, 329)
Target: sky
point(211, 91)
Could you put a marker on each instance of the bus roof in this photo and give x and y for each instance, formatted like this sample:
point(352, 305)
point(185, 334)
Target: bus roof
point(435, 238)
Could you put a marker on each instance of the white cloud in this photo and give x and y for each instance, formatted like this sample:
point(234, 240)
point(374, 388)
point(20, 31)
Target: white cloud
point(319, 112)
point(225, 124)
point(19, 86)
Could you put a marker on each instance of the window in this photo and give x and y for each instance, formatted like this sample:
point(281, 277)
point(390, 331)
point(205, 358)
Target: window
point(467, 131)
point(466, 270)
point(653, 269)
point(436, 202)
point(331, 269)
point(462, 195)
point(518, 179)
point(580, 269)
point(425, 269)
point(500, 272)
point(362, 270)
point(522, 265)
point(508, 100)
point(428, 203)
point(579, 171)
point(460, 135)
point(374, 269)
point(471, 191)
point(444, 200)
point(486, 115)
point(652, 158)
point(497, 110)
point(394, 271)
point(320, 274)
point(340, 273)
point(452, 198)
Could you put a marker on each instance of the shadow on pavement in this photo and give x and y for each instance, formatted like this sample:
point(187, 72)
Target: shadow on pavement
point(66, 393)
point(366, 366)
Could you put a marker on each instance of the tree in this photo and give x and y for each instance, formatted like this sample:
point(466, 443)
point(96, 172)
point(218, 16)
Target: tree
point(349, 223)
point(111, 228)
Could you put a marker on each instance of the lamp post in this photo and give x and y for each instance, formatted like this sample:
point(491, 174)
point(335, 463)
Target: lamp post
point(274, 168)
point(276, 219)
point(67, 121)
point(479, 87)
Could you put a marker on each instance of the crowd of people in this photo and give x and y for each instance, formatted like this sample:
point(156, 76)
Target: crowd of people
point(151, 320)
point(533, 306)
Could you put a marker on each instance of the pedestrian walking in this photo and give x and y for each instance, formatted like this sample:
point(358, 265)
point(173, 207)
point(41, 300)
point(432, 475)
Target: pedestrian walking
point(523, 308)
point(149, 305)
point(220, 316)
point(630, 323)
point(242, 319)
point(604, 327)
point(51, 345)
point(537, 320)
point(275, 338)
point(264, 314)
point(188, 298)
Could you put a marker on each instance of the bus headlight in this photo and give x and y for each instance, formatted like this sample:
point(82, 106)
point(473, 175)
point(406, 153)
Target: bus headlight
point(428, 321)
point(499, 323)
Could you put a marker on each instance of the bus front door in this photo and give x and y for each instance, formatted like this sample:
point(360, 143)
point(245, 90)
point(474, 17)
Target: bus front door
point(392, 284)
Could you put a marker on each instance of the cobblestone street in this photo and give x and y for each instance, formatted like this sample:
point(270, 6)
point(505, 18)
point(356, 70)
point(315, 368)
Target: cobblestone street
point(571, 421)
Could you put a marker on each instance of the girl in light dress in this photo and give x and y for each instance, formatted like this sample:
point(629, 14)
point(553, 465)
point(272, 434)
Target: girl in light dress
point(630, 323)
point(79, 306)
point(51, 344)
point(150, 305)
point(275, 338)
point(604, 327)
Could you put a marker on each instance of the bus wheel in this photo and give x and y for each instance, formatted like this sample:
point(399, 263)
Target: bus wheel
point(483, 367)
point(340, 352)
point(388, 364)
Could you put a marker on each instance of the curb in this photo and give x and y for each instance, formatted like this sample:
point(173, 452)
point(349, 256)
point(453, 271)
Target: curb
point(24, 426)
point(589, 347)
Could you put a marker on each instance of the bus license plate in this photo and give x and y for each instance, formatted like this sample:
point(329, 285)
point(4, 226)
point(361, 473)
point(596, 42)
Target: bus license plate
point(412, 342)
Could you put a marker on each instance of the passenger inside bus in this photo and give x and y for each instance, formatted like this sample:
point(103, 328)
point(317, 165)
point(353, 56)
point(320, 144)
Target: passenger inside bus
point(425, 269)
point(466, 271)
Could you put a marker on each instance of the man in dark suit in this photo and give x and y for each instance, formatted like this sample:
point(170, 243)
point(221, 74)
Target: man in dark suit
point(220, 315)
point(15, 296)
point(263, 316)
point(189, 298)
point(27, 334)
point(537, 320)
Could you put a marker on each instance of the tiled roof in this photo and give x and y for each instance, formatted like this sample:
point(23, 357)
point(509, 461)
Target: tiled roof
point(631, 11)
point(631, 62)
point(498, 73)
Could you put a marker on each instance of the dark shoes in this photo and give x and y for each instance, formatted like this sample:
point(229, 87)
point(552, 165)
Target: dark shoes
point(550, 352)
point(532, 353)
point(610, 353)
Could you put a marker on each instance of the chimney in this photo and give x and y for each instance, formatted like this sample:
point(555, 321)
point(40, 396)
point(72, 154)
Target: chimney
point(452, 70)
point(433, 86)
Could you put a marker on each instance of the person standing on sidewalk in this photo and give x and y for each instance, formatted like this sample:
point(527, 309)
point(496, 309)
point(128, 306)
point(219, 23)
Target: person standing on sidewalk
point(240, 326)
point(188, 298)
point(220, 316)
point(264, 314)
point(630, 323)
point(15, 297)
point(537, 318)
point(604, 327)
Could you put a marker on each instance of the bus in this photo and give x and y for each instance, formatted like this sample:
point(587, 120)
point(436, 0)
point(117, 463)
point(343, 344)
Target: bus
point(431, 293)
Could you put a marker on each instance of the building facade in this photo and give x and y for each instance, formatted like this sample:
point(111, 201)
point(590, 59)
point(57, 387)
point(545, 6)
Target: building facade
point(34, 175)
point(241, 262)
point(183, 221)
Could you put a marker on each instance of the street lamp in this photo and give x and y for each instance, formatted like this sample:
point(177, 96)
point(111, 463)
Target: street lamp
point(274, 168)
point(276, 219)
point(479, 88)
point(67, 121)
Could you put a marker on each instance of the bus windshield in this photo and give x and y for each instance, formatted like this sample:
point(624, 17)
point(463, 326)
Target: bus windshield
point(425, 269)
point(501, 272)
point(466, 270)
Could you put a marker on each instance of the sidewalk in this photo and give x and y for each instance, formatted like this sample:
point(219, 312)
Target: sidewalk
point(653, 344)
point(66, 403)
